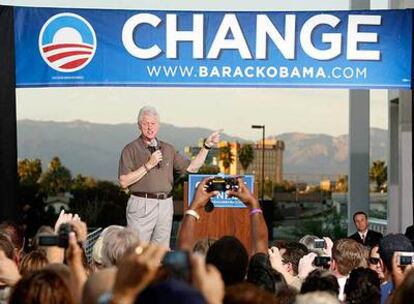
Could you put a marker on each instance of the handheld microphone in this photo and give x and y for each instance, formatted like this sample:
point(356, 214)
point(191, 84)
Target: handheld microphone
point(153, 146)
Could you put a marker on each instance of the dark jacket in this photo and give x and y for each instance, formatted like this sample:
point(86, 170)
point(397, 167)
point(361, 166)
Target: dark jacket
point(371, 239)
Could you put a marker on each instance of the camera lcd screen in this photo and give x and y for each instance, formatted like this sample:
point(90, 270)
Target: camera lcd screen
point(406, 260)
point(319, 243)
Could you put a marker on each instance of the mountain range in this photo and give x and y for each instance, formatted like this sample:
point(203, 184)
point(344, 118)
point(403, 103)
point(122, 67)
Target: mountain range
point(93, 149)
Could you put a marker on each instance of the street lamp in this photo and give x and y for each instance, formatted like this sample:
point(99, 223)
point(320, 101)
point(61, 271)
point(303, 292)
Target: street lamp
point(263, 149)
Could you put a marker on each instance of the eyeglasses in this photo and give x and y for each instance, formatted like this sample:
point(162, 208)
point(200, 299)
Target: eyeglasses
point(373, 261)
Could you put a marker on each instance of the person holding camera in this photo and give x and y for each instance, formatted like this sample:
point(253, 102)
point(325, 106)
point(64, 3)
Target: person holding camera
point(146, 168)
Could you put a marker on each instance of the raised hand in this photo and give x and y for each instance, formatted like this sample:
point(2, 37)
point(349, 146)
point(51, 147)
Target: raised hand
point(244, 194)
point(213, 139)
point(201, 196)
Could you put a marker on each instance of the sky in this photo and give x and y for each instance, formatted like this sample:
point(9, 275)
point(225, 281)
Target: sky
point(234, 110)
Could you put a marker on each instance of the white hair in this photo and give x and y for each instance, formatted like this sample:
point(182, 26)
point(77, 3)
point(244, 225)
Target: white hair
point(316, 297)
point(145, 110)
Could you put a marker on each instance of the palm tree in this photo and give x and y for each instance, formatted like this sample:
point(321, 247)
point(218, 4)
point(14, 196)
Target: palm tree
point(246, 156)
point(378, 173)
point(226, 156)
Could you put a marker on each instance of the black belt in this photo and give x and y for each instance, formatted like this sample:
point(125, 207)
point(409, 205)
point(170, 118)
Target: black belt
point(159, 195)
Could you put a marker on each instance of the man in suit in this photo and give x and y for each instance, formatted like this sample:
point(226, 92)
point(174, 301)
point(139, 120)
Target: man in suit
point(365, 236)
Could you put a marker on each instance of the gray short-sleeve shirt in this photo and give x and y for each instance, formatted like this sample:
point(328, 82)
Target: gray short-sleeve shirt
point(159, 179)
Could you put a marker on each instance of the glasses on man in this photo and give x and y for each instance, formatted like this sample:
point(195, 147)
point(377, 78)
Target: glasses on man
point(373, 261)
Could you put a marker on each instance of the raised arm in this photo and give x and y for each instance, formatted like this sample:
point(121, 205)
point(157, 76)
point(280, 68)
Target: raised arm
point(186, 233)
point(258, 226)
point(199, 160)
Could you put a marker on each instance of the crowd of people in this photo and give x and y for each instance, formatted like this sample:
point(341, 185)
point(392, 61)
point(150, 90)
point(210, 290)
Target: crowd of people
point(125, 269)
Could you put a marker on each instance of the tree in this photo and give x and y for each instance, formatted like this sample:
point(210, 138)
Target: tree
point(226, 156)
point(56, 179)
point(246, 156)
point(29, 171)
point(378, 174)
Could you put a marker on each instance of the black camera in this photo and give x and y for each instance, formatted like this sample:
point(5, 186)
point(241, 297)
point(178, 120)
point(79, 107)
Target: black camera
point(321, 261)
point(177, 264)
point(61, 239)
point(222, 184)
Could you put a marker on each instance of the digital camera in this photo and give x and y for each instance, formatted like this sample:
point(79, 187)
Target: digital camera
point(405, 258)
point(61, 239)
point(319, 243)
point(321, 261)
point(222, 184)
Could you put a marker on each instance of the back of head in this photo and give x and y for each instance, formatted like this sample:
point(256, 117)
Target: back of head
point(320, 280)
point(390, 244)
point(294, 251)
point(7, 247)
point(317, 297)
point(348, 254)
point(62, 270)
point(115, 243)
point(33, 261)
point(230, 257)
point(171, 291)
point(363, 287)
point(246, 293)
point(261, 274)
point(97, 284)
point(15, 234)
point(42, 231)
point(43, 286)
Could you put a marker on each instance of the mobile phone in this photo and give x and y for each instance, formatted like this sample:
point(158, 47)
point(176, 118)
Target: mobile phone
point(319, 243)
point(321, 261)
point(405, 258)
point(177, 264)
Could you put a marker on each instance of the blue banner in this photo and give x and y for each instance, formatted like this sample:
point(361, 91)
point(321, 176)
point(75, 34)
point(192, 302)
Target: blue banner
point(221, 200)
point(89, 47)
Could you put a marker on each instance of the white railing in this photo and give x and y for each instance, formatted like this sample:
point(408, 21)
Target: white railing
point(378, 225)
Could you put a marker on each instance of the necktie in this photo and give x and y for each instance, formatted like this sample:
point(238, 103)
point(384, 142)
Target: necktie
point(363, 238)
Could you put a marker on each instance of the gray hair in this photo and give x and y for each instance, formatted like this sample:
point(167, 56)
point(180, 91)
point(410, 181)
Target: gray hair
point(145, 110)
point(115, 243)
point(309, 241)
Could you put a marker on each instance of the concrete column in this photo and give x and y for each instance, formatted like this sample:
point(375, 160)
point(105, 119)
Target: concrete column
point(359, 139)
point(394, 206)
point(405, 160)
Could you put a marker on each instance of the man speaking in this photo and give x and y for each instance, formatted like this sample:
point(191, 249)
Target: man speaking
point(146, 168)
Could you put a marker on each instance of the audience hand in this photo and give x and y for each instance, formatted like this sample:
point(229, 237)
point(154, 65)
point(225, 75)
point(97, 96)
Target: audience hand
point(80, 229)
point(9, 274)
point(136, 271)
point(207, 279)
point(244, 194)
point(74, 258)
point(328, 249)
point(65, 218)
point(306, 265)
point(399, 272)
point(201, 196)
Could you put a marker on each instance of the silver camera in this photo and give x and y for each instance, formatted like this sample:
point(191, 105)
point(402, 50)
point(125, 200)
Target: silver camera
point(405, 258)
